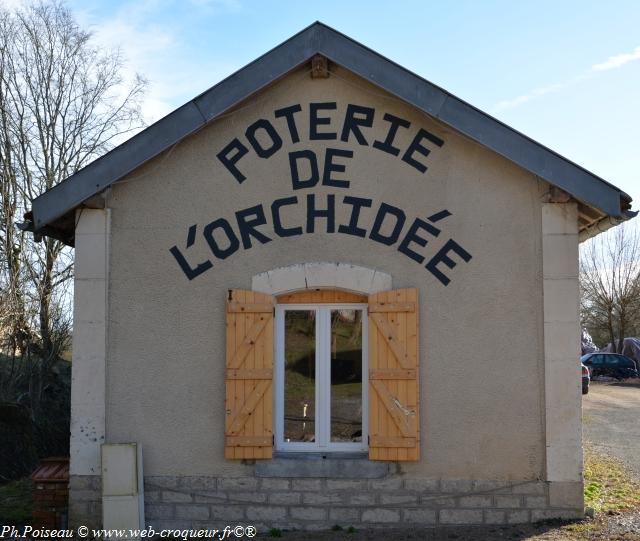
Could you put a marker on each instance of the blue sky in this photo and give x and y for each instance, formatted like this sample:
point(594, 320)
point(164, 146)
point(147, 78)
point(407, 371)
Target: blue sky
point(565, 73)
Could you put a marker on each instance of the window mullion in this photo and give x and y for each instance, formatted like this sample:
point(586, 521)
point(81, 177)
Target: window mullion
point(321, 389)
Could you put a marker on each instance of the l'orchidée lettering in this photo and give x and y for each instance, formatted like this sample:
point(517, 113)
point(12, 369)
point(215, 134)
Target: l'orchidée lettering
point(391, 226)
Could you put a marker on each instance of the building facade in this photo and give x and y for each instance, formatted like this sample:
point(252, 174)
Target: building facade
point(328, 292)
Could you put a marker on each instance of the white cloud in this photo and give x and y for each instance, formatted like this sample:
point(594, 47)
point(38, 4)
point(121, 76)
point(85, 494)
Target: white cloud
point(157, 51)
point(617, 61)
point(612, 62)
point(535, 93)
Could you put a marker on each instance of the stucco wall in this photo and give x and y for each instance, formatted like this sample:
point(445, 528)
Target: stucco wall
point(482, 410)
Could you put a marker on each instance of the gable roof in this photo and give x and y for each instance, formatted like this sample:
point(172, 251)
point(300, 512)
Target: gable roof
point(52, 211)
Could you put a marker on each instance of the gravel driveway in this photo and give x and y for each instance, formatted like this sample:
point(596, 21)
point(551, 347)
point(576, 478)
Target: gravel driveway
point(611, 421)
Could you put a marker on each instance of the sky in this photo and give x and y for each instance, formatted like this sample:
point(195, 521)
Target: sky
point(566, 73)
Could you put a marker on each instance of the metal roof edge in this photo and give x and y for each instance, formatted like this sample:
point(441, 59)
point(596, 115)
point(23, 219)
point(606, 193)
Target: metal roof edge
point(348, 53)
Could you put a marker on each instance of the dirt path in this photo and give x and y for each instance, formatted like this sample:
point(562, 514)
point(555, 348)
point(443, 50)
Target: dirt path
point(611, 422)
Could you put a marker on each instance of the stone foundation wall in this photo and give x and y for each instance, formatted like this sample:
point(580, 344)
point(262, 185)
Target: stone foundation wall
point(85, 501)
point(317, 504)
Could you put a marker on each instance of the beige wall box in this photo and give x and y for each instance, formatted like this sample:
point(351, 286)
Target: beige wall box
point(326, 291)
point(122, 487)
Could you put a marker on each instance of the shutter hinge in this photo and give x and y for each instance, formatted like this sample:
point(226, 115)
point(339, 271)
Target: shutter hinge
point(273, 440)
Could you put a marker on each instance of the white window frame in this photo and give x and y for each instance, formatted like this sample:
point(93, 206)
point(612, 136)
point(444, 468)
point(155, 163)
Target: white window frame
point(322, 441)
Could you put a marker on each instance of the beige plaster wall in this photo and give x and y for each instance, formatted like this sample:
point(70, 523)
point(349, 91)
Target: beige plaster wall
point(481, 337)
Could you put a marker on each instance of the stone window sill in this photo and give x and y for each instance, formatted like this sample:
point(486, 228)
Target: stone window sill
point(330, 465)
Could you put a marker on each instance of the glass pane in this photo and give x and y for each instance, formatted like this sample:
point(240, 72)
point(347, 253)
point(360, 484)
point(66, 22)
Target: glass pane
point(346, 375)
point(299, 375)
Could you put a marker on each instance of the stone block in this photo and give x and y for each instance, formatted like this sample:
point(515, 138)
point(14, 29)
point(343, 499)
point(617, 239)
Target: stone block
point(559, 219)
point(247, 497)
point(321, 498)
point(344, 515)
point(346, 484)
point(561, 300)
point(92, 221)
point(381, 282)
point(80, 482)
point(285, 498)
point(492, 516)
point(395, 499)
point(275, 484)
point(174, 496)
point(308, 513)
point(199, 484)
point(89, 304)
point(210, 497)
point(192, 512)
point(535, 502)
point(566, 494)
point(306, 484)
point(158, 510)
point(321, 274)
point(89, 495)
point(262, 283)
point(508, 501)
point(287, 279)
point(390, 483)
point(461, 516)
point(559, 345)
point(422, 485)
point(354, 278)
point(361, 499)
point(266, 513)
point(518, 517)
point(560, 256)
point(433, 501)
point(475, 501)
point(155, 482)
point(170, 524)
point(533, 488)
point(91, 256)
point(238, 483)
point(419, 516)
point(152, 496)
point(227, 512)
point(381, 515)
point(456, 486)
point(489, 486)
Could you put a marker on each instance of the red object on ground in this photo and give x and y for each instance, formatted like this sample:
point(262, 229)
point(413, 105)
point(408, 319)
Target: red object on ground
point(51, 493)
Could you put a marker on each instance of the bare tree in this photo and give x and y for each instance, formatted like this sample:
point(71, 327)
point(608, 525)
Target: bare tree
point(63, 103)
point(610, 285)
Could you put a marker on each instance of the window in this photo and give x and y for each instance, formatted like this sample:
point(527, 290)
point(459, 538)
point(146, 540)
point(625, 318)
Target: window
point(320, 377)
point(343, 375)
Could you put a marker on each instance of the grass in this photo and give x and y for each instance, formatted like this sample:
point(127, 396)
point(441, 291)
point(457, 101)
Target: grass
point(607, 487)
point(607, 484)
point(16, 502)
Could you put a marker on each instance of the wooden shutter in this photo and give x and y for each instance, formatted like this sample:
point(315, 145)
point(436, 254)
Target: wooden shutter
point(394, 421)
point(249, 375)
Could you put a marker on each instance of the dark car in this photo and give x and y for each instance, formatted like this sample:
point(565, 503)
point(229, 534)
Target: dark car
point(586, 378)
point(610, 364)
